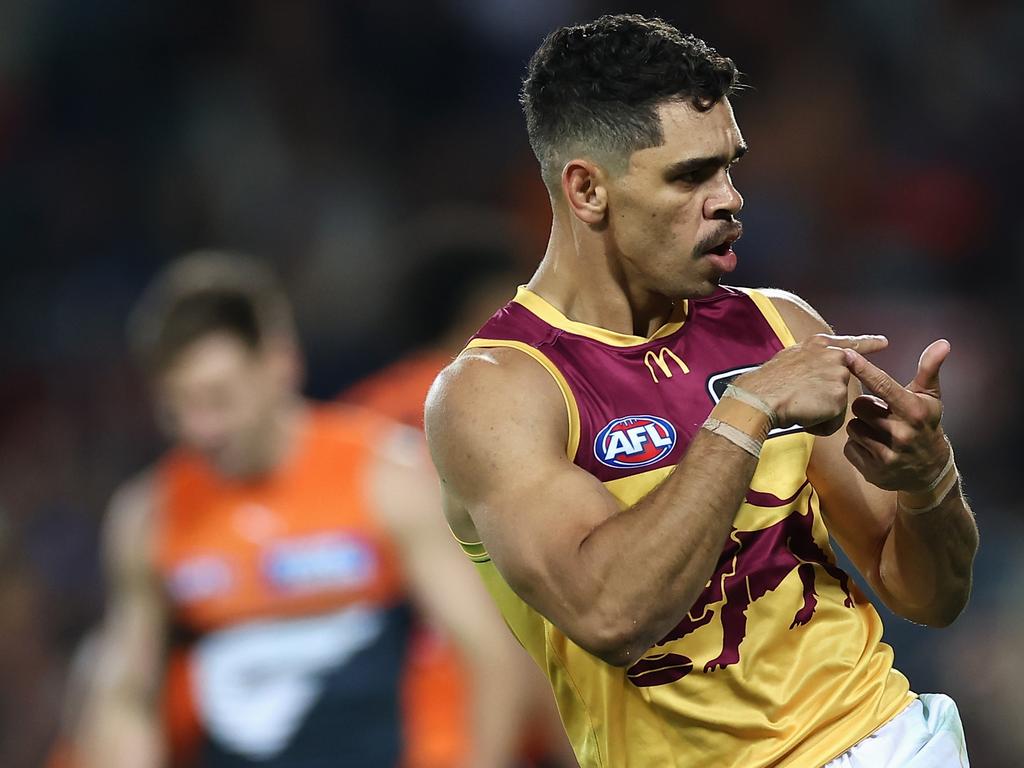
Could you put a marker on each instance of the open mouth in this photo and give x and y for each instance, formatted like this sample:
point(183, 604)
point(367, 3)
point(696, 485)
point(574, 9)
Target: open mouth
point(722, 248)
point(721, 256)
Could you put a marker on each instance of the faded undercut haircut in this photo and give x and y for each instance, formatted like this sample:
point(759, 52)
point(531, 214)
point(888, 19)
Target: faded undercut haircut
point(594, 89)
point(203, 293)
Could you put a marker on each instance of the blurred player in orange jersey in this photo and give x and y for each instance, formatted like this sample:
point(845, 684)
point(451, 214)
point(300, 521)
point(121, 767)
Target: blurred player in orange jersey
point(278, 546)
point(464, 263)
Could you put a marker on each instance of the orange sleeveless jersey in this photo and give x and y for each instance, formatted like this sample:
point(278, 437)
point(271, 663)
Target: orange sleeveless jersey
point(248, 564)
point(207, 520)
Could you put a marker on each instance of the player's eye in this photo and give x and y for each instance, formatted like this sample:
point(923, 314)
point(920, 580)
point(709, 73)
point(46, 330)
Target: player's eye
point(697, 176)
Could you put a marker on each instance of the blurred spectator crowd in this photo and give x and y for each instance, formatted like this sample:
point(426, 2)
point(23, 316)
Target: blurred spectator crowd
point(334, 139)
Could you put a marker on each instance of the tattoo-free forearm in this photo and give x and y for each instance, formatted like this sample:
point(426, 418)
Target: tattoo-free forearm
point(498, 712)
point(927, 559)
point(650, 562)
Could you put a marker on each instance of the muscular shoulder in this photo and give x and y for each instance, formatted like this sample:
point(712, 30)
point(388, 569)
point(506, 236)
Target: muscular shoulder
point(802, 319)
point(490, 414)
point(485, 388)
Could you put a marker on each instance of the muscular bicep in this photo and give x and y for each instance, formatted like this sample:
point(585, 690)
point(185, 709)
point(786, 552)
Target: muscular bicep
point(533, 525)
point(497, 426)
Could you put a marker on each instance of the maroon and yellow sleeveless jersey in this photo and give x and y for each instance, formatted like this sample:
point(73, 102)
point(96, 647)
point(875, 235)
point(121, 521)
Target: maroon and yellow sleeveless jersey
point(780, 660)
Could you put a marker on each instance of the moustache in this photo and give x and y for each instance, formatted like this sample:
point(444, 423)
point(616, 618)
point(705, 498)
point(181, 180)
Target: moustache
point(730, 232)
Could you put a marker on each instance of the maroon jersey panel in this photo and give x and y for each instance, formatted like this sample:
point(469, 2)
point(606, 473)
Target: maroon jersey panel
point(641, 405)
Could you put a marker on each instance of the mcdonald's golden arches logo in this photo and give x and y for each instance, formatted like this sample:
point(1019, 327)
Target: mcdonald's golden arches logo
point(662, 360)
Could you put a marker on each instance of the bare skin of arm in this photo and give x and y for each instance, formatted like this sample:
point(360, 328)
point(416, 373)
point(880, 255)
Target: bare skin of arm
point(120, 721)
point(613, 580)
point(453, 599)
point(919, 565)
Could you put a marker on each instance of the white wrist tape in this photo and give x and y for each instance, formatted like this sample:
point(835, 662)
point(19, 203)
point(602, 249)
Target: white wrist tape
point(754, 401)
point(916, 502)
point(733, 435)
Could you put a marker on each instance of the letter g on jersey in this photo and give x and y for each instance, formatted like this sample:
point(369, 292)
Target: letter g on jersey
point(634, 441)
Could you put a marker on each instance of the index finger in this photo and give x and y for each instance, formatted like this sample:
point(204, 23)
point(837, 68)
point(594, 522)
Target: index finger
point(865, 344)
point(878, 381)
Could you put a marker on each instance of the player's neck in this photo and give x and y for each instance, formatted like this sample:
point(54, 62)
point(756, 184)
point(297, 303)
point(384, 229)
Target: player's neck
point(281, 441)
point(289, 427)
point(586, 284)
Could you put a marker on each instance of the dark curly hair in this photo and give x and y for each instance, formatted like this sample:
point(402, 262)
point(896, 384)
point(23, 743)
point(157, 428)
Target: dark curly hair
point(595, 88)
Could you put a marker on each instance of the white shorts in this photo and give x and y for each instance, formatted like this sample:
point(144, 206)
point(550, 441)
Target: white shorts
point(927, 734)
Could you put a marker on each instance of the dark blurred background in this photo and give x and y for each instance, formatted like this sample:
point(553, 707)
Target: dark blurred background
point(882, 186)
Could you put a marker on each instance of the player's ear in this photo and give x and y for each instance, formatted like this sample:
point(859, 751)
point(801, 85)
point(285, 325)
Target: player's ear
point(585, 192)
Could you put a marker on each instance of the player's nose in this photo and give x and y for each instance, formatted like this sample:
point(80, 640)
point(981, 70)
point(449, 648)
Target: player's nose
point(725, 201)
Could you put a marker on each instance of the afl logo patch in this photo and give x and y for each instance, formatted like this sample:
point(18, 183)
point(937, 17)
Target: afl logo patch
point(634, 441)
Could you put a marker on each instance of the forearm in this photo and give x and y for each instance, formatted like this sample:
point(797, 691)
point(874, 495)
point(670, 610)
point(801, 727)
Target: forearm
point(117, 730)
point(498, 686)
point(649, 563)
point(926, 561)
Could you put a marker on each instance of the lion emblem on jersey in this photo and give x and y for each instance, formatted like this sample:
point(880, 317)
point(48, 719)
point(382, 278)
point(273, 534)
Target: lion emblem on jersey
point(752, 564)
